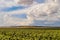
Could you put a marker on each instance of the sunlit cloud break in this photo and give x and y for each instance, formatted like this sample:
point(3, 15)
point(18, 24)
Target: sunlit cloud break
point(48, 11)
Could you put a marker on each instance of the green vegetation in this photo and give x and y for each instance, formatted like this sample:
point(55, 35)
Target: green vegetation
point(29, 34)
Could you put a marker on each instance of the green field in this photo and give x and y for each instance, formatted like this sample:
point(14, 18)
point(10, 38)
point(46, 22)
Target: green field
point(29, 34)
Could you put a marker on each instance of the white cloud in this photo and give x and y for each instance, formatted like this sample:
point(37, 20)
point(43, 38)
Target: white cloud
point(7, 19)
point(8, 3)
point(25, 2)
point(17, 21)
point(46, 11)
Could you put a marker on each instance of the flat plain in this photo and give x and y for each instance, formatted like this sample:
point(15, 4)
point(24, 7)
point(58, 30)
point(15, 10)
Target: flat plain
point(30, 33)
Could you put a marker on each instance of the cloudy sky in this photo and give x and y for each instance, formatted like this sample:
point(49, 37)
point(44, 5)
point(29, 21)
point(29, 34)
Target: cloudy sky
point(29, 12)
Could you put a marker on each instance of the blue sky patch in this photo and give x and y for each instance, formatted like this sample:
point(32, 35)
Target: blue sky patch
point(23, 16)
point(13, 8)
point(40, 1)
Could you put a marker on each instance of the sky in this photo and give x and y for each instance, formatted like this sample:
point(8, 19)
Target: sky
point(29, 13)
